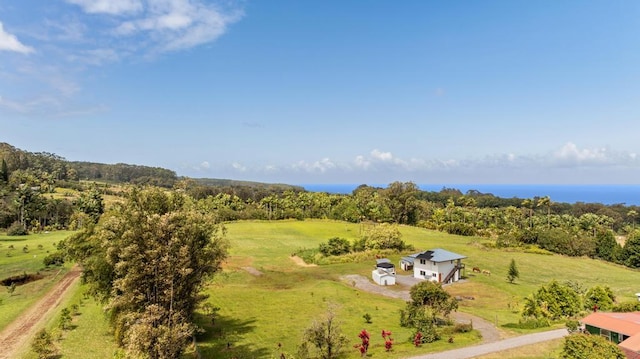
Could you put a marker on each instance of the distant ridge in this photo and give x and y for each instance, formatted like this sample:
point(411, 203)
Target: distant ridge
point(62, 169)
point(214, 182)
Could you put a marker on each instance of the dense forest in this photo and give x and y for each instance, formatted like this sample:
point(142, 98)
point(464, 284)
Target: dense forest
point(28, 202)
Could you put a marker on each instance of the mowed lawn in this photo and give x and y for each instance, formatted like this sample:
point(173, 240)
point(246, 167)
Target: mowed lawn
point(14, 260)
point(267, 300)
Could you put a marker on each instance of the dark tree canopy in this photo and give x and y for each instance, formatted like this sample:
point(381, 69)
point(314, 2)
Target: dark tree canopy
point(148, 258)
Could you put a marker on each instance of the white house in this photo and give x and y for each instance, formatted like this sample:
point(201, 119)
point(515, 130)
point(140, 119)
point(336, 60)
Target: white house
point(437, 265)
point(385, 272)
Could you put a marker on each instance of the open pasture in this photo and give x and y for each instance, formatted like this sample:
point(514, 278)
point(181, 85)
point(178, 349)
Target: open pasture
point(265, 299)
point(15, 260)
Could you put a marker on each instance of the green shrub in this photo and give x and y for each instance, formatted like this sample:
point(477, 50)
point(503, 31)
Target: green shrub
point(589, 346)
point(626, 307)
point(56, 258)
point(533, 323)
point(16, 229)
point(572, 325)
point(335, 246)
point(462, 328)
point(458, 228)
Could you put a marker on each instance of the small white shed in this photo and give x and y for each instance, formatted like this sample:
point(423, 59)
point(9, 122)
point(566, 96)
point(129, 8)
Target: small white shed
point(384, 274)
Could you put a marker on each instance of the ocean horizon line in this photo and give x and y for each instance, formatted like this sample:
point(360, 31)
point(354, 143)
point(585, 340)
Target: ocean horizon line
point(609, 194)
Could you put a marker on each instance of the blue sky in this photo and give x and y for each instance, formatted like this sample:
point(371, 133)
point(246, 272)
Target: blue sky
point(297, 92)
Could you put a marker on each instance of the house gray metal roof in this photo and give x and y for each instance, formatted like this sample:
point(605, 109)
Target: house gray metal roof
point(435, 255)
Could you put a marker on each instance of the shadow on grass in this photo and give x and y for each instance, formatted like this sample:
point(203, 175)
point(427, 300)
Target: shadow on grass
point(225, 338)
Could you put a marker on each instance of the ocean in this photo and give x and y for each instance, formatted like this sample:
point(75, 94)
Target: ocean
point(628, 195)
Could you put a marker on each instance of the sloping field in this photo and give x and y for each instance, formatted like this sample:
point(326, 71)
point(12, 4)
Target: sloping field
point(258, 312)
point(15, 260)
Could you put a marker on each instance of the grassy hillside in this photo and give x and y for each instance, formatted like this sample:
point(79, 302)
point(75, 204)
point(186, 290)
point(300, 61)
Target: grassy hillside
point(14, 260)
point(260, 310)
point(266, 299)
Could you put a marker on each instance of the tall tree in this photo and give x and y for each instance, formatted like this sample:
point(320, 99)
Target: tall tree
point(91, 203)
point(513, 271)
point(4, 172)
point(546, 202)
point(148, 259)
point(632, 215)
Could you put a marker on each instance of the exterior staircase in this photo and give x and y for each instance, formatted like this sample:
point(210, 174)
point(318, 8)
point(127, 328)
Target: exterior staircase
point(452, 273)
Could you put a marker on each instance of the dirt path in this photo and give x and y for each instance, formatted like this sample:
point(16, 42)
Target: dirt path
point(15, 336)
point(299, 261)
point(488, 331)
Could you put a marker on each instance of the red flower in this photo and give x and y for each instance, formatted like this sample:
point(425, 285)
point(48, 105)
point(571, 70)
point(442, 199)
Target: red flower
point(388, 344)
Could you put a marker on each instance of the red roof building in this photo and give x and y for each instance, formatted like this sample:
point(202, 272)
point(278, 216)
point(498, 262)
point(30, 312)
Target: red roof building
point(620, 328)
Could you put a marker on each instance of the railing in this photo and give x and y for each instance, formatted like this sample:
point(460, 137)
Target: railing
point(452, 273)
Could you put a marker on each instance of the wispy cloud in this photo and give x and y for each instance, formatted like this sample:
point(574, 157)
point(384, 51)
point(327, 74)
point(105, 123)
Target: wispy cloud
point(84, 34)
point(112, 7)
point(9, 42)
point(149, 27)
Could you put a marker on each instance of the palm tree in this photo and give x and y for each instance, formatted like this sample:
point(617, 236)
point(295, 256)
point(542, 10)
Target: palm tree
point(529, 204)
point(632, 214)
point(546, 201)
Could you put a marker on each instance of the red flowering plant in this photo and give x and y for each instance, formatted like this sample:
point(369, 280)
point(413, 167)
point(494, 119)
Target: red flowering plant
point(417, 340)
point(365, 337)
point(388, 341)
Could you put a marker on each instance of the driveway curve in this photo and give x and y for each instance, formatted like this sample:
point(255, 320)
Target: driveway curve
point(488, 331)
point(498, 346)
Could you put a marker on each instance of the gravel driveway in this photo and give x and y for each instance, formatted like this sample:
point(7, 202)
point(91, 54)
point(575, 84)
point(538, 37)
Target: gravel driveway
point(491, 341)
point(487, 330)
point(504, 344)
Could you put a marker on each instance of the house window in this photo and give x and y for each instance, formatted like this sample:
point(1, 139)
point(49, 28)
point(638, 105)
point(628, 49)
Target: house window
point(434, 263)
point(422, 261)
point(434, 275)
point(423, 273)
point(605, 333)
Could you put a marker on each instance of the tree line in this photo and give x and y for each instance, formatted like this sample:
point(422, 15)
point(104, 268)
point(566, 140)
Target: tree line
point(580, 229)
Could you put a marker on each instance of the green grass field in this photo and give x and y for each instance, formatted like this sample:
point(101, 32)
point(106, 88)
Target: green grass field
point(258, 312)
point(267, 300)
point(14, 261)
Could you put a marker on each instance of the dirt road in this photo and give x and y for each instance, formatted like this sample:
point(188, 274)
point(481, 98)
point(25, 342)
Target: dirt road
point(15, 336)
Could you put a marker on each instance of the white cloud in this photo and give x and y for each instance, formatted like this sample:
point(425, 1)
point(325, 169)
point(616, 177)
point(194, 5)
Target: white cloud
point(172, 25)
point(584, 165)
point(362, 162)
point(571, 153)
point(238, 167)
point(321, 166)
point(205, 165)
point(9, 42)
point(112, 7)
point(96, 33)
point(382, 156)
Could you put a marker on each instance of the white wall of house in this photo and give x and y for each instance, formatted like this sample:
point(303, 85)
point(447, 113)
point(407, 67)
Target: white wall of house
point(434, 271)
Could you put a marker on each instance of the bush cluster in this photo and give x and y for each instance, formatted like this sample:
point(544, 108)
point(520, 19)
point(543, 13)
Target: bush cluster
point(16, 229)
